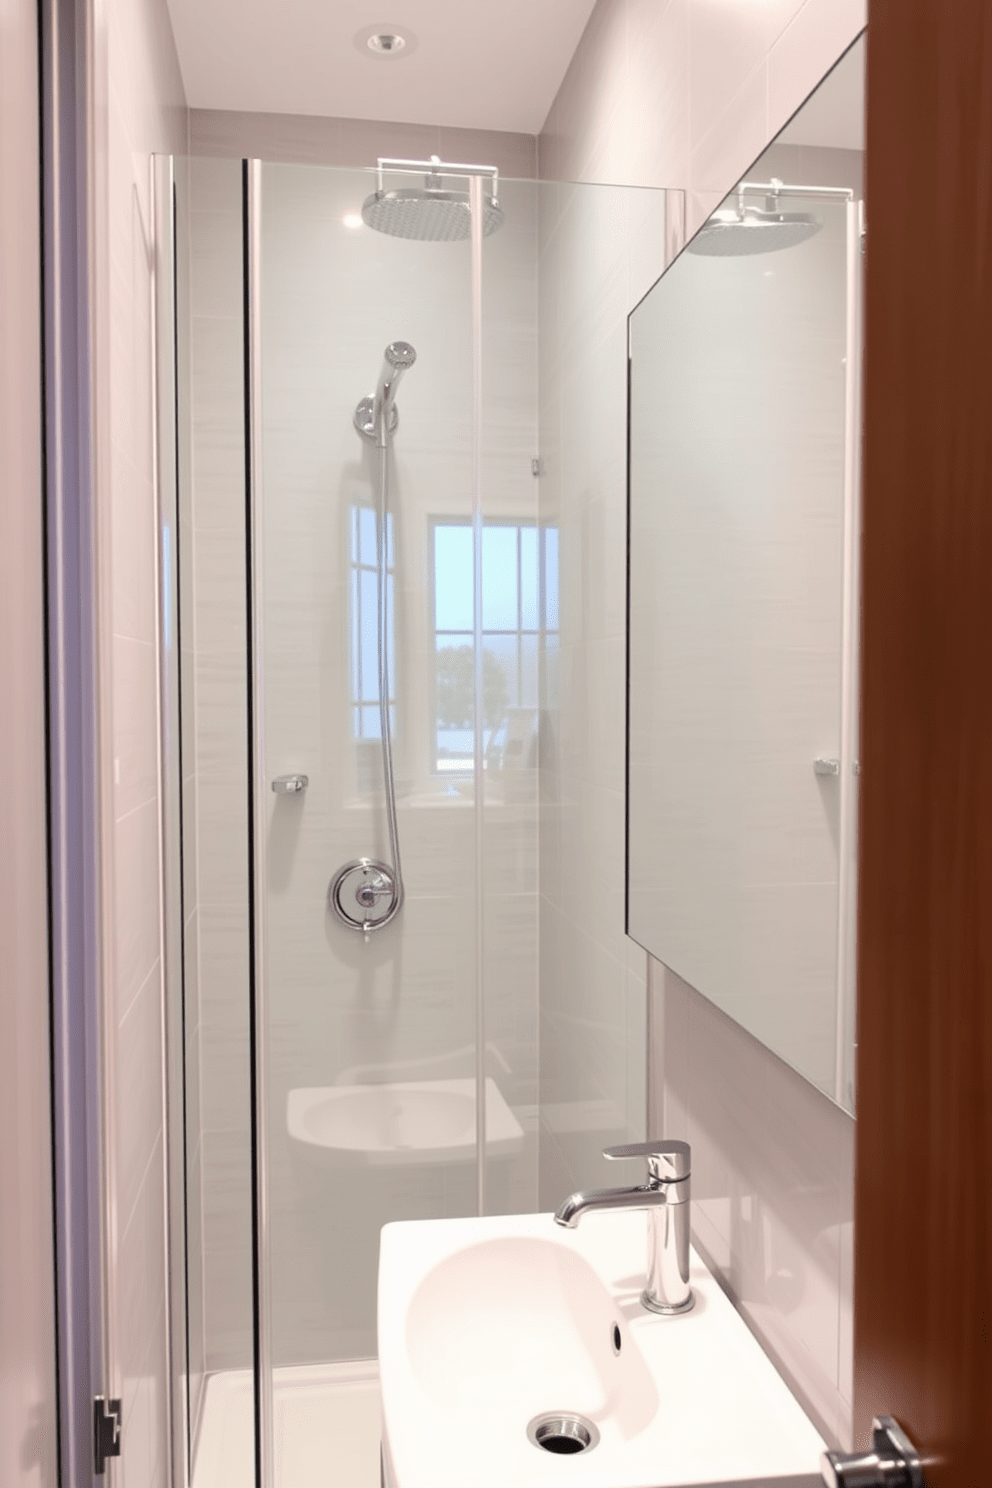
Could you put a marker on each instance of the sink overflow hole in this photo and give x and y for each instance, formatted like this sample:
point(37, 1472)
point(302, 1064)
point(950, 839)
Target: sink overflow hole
point(616, 1339)
point(563, 1434)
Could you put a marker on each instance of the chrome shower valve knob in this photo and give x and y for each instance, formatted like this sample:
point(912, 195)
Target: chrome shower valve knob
point(365, 895)
point(371, 892)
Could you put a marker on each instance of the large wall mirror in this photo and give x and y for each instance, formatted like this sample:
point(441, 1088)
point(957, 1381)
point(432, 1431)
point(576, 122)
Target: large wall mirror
point(745, 435)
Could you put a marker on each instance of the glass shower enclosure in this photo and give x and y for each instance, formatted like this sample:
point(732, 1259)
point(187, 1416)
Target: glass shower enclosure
point(330, 1071)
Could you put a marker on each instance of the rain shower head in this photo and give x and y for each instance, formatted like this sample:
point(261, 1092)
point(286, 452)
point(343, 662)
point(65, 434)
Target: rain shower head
point(428, 213)
point(428, 216)
point(734, 233)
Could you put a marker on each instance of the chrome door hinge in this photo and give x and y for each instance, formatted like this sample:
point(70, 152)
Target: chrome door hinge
point(893, 1463)
point(106, 1432)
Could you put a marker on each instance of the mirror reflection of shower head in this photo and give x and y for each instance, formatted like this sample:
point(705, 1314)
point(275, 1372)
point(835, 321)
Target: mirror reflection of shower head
point(376, 418)
point(739, 232)
point(429, 213)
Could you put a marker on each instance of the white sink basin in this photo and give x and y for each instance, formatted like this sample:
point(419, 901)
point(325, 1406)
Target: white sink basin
point(407, 1122)
point(486, 1324)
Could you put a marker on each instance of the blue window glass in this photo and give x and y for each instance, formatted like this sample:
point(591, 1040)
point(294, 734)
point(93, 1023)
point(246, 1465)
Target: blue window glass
point(363, 605)
point(519, 579)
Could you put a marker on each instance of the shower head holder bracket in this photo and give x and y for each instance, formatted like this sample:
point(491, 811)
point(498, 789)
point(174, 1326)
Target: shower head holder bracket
point(433, 170)
point(365, 420)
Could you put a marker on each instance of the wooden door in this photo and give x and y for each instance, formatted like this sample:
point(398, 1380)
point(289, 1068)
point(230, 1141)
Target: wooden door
point(923, 1297)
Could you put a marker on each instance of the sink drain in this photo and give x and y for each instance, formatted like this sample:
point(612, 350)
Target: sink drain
point(563, 1433)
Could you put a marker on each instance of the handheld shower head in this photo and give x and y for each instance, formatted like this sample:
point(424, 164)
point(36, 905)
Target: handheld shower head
point(398, 356)
point(376, 417)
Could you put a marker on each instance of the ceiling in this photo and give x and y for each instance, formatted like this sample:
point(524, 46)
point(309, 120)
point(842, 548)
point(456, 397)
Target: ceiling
point(476, 64)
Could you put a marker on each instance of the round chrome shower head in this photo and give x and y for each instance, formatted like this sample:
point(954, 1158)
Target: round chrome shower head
point(732, 234)
point(428, 215)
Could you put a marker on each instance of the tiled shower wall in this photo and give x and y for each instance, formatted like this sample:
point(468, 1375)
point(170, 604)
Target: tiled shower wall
point(682, 94)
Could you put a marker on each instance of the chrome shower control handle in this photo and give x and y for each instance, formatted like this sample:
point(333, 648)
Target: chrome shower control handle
point(366, 895)
point(371, 892)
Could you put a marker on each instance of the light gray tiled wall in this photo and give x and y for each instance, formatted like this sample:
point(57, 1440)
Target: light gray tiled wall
point(772, 1189)
point(687, 93)
point(304, 139)
point(683, 94)
point(144, 113)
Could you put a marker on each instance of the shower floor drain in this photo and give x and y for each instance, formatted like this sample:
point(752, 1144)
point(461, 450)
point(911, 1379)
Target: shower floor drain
point(563, 1433)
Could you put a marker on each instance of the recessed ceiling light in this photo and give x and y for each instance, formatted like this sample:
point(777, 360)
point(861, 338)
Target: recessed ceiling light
point(385, 42)
point(353, 219)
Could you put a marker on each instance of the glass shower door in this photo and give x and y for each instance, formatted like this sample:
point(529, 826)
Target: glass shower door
point(371, 1045)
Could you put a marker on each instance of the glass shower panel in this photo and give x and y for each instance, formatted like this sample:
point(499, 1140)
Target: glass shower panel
point(371, 1044)
point(511, 626)
point(214, 709)
point(369, 1052)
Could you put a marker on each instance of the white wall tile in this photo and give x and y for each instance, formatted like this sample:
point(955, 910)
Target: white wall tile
point(311, 140)
point(141, 1303)
point(821, 31)
point(772, 1188)
point(135, 723)
point(657, 139)
point(139, 1121)
point(136, 900)
point(739, 133)
point(727, 43)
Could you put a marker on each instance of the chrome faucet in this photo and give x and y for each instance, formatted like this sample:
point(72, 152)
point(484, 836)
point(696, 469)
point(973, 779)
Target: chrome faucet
point(666, 1197)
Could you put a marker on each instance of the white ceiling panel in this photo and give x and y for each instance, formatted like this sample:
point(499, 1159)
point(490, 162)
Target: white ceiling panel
point(478, 64)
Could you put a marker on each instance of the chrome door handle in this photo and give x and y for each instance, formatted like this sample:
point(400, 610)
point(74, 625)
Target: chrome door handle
point(893, 1463)
point(290, 785)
